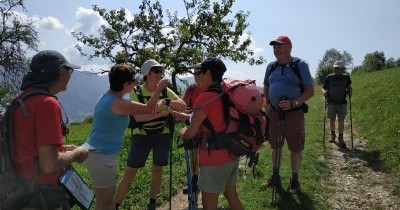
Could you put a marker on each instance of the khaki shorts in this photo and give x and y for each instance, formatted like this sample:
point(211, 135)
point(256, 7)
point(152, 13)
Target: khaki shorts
point(102, 169)
point(339, 109)
point(214, 179)
point(293, 130)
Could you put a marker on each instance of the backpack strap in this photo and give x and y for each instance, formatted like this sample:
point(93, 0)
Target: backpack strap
point(294, 65)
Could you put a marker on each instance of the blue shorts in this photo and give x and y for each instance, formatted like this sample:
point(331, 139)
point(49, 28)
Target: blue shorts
point(141, 146)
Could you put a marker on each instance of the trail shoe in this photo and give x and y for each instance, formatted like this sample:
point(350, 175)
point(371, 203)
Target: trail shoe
point(294, 187)
point(342, 144)
point(274, 181)
point(333, 137)
point(151, 206)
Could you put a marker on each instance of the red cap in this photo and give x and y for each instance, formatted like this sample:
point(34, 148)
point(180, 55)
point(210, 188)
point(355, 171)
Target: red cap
point(281, 40)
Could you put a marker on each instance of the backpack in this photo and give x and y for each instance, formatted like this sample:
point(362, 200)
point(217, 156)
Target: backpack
point(132, 122)
point(242, 112)
point(14, 193)
point(295, 67)
point(336, 86)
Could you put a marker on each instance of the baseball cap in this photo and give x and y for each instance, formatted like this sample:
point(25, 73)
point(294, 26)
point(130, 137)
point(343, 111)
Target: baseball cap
point(281, 40)
point(339, 64)
point(146, 66)
point(45, 69)
point(214, 64)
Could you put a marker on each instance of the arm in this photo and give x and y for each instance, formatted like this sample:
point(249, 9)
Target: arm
point(266, 92)
point(350, 90)
point(148, 117)
point(191, 131)
point(51, 160)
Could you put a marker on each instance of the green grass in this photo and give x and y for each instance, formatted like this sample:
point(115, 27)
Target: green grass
point(375, 112)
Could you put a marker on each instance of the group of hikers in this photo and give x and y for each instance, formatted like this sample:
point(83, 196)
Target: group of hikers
point(39, 147)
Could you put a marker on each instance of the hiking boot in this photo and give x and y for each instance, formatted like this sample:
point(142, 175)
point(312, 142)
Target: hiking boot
point(294, 187)
point(274, 181)
point(151, 206)
point(342, 144)
point(333, 137)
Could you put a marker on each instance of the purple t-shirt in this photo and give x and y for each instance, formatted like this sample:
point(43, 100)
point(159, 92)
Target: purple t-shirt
point(284, 82)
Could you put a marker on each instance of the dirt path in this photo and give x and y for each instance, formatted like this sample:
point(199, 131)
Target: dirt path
point(356, 181)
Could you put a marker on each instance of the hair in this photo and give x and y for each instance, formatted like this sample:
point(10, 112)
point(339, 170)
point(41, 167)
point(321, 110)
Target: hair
point(119, 74)
point(216, 66)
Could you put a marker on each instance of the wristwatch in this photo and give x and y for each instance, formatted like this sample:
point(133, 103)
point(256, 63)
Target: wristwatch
point(296, 103)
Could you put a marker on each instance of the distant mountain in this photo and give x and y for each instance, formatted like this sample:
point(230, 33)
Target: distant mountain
point(84, 90)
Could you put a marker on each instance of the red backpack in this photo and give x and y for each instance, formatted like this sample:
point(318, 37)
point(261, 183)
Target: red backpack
point(245, 121)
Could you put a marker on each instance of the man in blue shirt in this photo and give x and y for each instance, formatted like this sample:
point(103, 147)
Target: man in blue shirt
point(286, 90)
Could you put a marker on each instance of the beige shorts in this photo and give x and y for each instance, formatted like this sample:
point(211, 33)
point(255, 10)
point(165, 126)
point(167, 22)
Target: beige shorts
point(102, 169)
point(214, 179)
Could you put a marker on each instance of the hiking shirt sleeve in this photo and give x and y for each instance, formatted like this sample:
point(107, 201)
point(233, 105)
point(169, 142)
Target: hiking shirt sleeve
point(305, 74)
point(214, 112)
point(186, 95)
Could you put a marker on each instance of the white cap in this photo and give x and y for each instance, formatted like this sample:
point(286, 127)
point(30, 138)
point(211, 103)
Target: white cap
point(339, 64)
point(146, 67)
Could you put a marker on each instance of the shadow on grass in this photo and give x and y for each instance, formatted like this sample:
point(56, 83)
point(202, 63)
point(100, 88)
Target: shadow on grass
point(371, 157)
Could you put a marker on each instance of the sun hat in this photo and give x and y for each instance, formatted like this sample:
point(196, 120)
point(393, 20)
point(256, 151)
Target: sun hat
point(146, 66)
point(339, 64)
point(45, 69)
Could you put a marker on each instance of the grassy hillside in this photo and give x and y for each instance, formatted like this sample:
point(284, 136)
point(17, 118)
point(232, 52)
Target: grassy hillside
point(375, 109)
point(376, 112)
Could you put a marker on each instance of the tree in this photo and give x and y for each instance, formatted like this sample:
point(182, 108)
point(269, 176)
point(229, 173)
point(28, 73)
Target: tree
point(398, 62)
point(390, 63)
point(374, 61)
point(330, 57)
point(16, 37)
point(176, 41)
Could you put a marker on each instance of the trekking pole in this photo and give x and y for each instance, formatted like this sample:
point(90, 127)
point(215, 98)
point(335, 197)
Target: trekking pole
point(324, 131)
point(171, 126)
point(281, 124)
point(351, 123)
point(192, 197)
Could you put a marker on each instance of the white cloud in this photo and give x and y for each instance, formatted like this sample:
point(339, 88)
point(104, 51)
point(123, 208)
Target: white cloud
point(48, 23)
point(94, 65)
point(87, 21)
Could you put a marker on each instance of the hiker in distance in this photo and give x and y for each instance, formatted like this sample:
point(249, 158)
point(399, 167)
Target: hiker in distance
point(286, 91)
point(218, 169)
point(111, 118)
point(335, 88)
point(39, 150)
point(190, 96)
point(150, 132)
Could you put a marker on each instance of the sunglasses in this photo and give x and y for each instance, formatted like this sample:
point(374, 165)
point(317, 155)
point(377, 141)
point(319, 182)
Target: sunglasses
point(70, 70)
point(157, 71)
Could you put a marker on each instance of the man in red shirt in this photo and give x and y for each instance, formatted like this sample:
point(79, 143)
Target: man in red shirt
point(39, 148)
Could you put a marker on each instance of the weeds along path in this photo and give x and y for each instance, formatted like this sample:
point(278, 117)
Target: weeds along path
point(356, 182)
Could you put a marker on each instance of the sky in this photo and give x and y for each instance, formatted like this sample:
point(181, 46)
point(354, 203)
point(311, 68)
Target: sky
point(356, 26)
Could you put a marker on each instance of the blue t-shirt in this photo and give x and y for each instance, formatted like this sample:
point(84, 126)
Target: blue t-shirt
point(107, 128)
point(284, 82)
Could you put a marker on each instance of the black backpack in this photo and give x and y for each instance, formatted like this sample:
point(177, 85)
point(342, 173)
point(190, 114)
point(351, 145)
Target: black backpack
point(294, 65)
point(134, 124)
point(14, 193)
point(336, 86)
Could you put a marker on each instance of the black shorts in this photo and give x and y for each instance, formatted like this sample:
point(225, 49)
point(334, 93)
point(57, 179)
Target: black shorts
point(141, 146)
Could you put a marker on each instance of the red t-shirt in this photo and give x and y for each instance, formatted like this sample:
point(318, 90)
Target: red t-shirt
point(41, 128)
point(214, 112)
point(196, 92)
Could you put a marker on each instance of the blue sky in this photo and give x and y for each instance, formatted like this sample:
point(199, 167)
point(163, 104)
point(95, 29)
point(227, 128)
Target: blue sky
point(357, 26)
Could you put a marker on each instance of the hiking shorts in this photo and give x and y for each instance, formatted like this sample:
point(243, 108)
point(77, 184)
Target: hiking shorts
point(293, 130)
point(102, 169)
point(337, 109)
point(141, 146)
point(214, 179)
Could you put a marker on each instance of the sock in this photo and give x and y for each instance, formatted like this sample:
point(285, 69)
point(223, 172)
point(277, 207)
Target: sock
point(275, 171)
point(340, 134)
point(117, 206)
point(295, 176)
point(152, 200)
point(195, 178)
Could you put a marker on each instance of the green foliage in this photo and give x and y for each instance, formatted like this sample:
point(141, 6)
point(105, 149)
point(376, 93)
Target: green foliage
point(398, 62)
point(390, 63)
point(205, 30)
point(376, 99)
point(16, 37)
point(374, 61)
point(330, 57)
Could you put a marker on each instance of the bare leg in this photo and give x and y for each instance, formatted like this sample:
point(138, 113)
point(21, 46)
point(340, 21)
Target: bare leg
point(125, 184)
point(233, 198)
point(296, 158)
point(210, 200)
point(156, 178)
point(104, 198)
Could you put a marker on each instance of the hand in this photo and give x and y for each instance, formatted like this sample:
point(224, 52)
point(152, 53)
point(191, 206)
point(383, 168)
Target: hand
point(285, 104)
point(69, 147)
point(162, 84)
point(325, 93)
point(80, 154)
point(182, 131)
